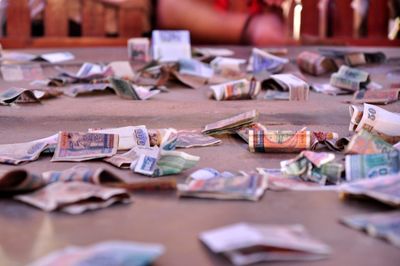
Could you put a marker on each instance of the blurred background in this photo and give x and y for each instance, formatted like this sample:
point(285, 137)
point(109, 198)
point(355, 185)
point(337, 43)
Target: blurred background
point(57, 23)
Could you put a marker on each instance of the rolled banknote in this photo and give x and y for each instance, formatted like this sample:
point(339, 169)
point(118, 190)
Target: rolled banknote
point(244, 132)
point(350, 79)
point(263, 61)
point(298, 89)
point(236, 90)
point(366, 143)
point(25, 152)
point(279, 141)
point(74, 197)
point(356, 113)
point(372, 165)
point(19, 181)
point(314, 63)
point(380, 122)
point(129, 137)
point(376, 96)
point(79, 146)
point(231, 124)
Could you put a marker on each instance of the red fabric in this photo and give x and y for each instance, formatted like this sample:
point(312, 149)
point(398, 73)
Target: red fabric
point(253, 6)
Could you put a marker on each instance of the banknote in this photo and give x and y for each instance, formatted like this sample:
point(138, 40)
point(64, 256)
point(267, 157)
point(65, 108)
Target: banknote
point(366, 143)
point(125, 160)
point(276, 95)
point(25, 152)
point(245, 244)
point(355, 58)
point(356, 113)
point(174, 162)
point(146, 162)
point(261, 60)
point(18, 95)
point(329, 89)
point(380, 122)
point(376, 96)
point(226, 66)
point(231, 124)
point(350, 79)
point(20, 181)
point(171, 45)
point(314, 63)
point(122, 70)
point(126, 90)
point(14, 72)
point(383, 225)
point(385, 189)
point(128, 137)
point(111, 252)
point(192, 138)
point(82, 173)
point(236, 90)
point(298, 89)
point(195, 68)
point(165, 138)
point(279, 141)
point(208, 173)
point(372, 165)
point(238, 187)
point(74, 197)
point(244, 131)
point(213, 52)
point(87, 72)
point(139, 49)
point(49, 57)
point(79, 146)
point(77, 89)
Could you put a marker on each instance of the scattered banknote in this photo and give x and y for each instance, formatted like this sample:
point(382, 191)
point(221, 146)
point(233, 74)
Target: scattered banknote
point(139, 49)
point(77, 89)
point(195, 68)
point(231, 124)
point(171, 45)
point(190, 139)
point(356, 113)
point(376, 120)
point(365, 166)
point(20, 181)
point(88, 71)
point(355, 58)
point(298, 89)
point(245, 243)
point(236, 90)
point(127, 90)
point(244, 131)
point(238, 187)
point(79, 146)
point(165, 138)
point(383, 225)
point(366, 143)
point(350, 79)
point(146, 162)
point(24, 152)
point(213, 52)
point(48, 57)
point(82, 173)
point(122, 70)
point(261, 140)
point(125, 160)
point(314, 63)
point(261, 60)
point(329, 89)
point(227, 66)
point(128, 137)
point(20, 95)
point(208, 173)
point(174, 162)
point(74, 197)
point(21, 72)
point(376, 96)
point(314, 167)
point(385, 189)
point(110, 252)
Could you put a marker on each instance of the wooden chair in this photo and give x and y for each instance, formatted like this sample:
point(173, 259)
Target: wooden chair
point(132, 17)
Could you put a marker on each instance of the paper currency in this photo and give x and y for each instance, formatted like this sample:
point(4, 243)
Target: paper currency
point(171, 45)
point(82, 173)
point(125, 89)
point(20, 181)
point(195, 68)
point(315, 64)
point(383, 225)
point(146, 161)
point(110, 252)
point(87, 72)
point(376, 96)
point(49, 57)
point(350, 79)
point(128, 137)
point(213, 52)
point(122, 70)
point(79, 146)
point(329, 89)
point(356, 113)
point(165, 138)
point(279, 141)
point(372, 165)
point(227, 66)
point(366, 143)
point(231, 124)
point(21, 72)
point(238, 187)
point(378, 121)
point(298, 89)
point(74, 197)
point(236, 90)
point(246, 244)
point(208, 173)
point(192, 138)
point(76, 89)
point(355, 58)
point(276, 95)
point(27, 151)
point(385, 189)
point(174, 162)
point(139, 49)
point(125, 160)
point(18, 95)
point(263, 61)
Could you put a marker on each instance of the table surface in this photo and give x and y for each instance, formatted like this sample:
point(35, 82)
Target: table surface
point(27, 233)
